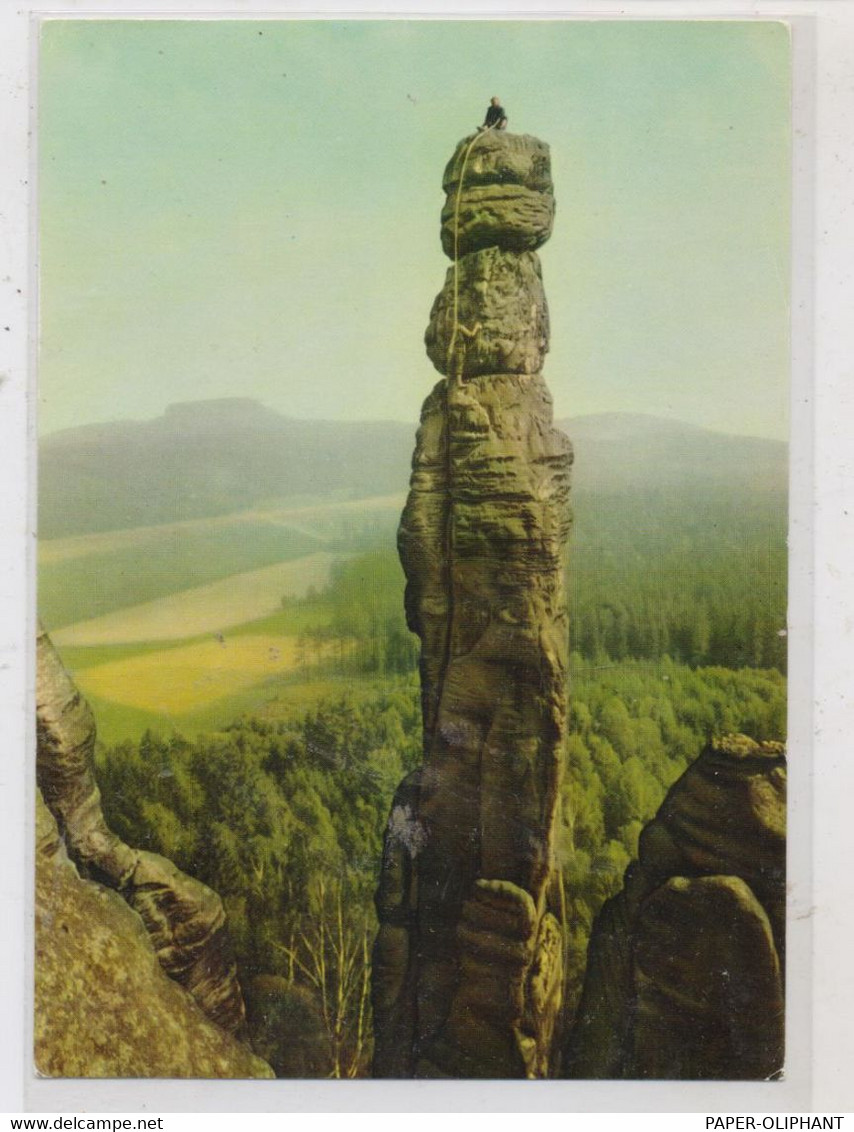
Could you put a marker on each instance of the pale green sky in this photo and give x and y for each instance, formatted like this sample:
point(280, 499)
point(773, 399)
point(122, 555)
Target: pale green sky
point(250, 208)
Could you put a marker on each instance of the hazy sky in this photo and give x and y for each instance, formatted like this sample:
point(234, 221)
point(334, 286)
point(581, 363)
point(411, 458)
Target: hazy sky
point(250, 208)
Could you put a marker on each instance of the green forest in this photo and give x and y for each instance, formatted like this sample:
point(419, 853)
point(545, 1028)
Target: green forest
point(703, 587)
point(284, 818)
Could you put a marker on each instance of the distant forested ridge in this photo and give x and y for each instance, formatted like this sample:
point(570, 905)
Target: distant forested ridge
point(704, 584)
point(678, 547)
point(210, 458)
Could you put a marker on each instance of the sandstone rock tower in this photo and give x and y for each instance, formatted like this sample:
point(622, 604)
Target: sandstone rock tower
point(685, 965)
point(469, 958)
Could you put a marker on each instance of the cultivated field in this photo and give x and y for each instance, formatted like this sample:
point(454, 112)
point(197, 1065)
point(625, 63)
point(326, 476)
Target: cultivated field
point(177, 681)
point(321, 520)
point(217, 606)
point(89, 576)
point(183, 626)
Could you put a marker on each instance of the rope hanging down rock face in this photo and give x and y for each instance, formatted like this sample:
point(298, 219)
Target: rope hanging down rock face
point(456, 328)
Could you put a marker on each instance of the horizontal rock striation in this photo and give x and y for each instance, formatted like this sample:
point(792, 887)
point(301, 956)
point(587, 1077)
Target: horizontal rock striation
point(506, 199)
point(184, 918)
point(469, 957)
point(685, 965)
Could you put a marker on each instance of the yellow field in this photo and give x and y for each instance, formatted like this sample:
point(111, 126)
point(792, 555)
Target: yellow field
point(203, 609)
point(179, 680)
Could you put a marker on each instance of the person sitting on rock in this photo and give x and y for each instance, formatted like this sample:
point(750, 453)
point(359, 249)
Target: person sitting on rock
point(495, 118)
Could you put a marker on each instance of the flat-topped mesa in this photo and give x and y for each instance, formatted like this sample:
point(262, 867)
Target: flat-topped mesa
point(468, 965)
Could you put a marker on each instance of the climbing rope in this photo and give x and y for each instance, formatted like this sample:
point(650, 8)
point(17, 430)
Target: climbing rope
point(451, 374)
point(455, 328)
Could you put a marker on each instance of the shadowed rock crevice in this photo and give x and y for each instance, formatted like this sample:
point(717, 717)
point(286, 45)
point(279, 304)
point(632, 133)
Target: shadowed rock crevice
point(468, 964)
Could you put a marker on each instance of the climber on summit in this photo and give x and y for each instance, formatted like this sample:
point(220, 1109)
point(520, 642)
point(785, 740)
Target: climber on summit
point(495, 118)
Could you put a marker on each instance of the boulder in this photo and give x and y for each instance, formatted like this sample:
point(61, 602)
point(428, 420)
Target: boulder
point(503, 323)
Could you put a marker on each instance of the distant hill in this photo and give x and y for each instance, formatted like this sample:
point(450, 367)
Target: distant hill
point(207, 458)
point(618, 452)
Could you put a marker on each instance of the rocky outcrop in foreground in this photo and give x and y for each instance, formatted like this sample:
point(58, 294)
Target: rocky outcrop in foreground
point(113, 922)
point(685, 965)
point(468, 963)
point(103, 1005)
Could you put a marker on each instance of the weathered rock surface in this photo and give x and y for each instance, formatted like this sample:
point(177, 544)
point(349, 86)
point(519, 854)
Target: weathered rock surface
point(685, 965)
point(502, 316)
point(186, 923)
point(184, 919)
point(65, 729)
point(468, 960)
point(507, 197)
point(103, 1005)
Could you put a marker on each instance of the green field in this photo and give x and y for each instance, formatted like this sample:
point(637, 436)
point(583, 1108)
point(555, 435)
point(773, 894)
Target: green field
point(89, 576)
point(167, 562)
point(229, 602)
point(187, 626)
point(203, 682)
point(200, 686)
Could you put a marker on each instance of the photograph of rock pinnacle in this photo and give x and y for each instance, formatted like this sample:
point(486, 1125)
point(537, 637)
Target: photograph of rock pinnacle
point(412, 549)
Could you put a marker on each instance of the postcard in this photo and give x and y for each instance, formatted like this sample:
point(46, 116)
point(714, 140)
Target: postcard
point(412, 548)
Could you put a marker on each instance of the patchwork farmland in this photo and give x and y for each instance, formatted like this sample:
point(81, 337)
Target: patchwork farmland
point(185, 626)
